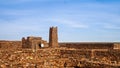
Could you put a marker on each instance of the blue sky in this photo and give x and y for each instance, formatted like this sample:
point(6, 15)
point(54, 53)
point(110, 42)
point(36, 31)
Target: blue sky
point(77, 20)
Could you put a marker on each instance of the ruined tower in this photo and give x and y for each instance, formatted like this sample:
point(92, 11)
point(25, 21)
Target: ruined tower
point(53, 37)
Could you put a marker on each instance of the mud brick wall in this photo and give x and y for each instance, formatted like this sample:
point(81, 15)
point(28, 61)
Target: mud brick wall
point(88, 45)
point(10, 45)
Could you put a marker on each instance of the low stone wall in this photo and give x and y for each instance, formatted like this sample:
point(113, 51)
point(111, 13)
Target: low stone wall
point(10, 45)
point(80, 45)
point(88, 45)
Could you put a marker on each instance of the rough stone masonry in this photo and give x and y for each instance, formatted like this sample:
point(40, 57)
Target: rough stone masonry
point(34, 52)
point(53, 37)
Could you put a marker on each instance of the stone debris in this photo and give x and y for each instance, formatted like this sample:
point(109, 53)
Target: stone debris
point(58, 58)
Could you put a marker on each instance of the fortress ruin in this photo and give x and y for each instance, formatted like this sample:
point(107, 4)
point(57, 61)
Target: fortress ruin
point(32, 42)
point(34, 52)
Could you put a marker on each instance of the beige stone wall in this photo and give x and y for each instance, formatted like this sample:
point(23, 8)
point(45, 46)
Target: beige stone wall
point(33, 43)
point(91, 45)
point(10, 45)
point(116, 46)
point(53, 37)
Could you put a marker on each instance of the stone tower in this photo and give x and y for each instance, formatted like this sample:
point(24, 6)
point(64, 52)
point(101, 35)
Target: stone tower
point(53, 37)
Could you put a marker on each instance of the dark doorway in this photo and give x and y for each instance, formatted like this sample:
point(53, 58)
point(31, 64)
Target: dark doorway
point(39, 45)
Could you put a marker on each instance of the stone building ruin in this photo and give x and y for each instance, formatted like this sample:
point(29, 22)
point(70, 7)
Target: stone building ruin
point(34, 52)
point(32, 42)
point(53, 37)
point(37, 42)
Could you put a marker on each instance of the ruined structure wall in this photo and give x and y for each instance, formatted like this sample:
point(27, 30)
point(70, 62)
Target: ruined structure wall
point(34, 43)
point(88, 45)
point(25, 43)
point(53, 37)
point(10, 45)
point(116, 46)
point(19, 45)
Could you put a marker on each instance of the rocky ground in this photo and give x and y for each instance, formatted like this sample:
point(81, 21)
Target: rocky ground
point(59, 58)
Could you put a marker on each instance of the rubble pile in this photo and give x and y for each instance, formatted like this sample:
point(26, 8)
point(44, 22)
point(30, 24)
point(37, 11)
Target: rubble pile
point(58, 58)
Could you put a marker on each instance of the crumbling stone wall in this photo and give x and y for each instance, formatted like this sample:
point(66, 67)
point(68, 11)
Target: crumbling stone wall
point(116, 46)
point(53, 37)
point(0, 45)
point(88, 45)
point(10, 45)
point(33, 42)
